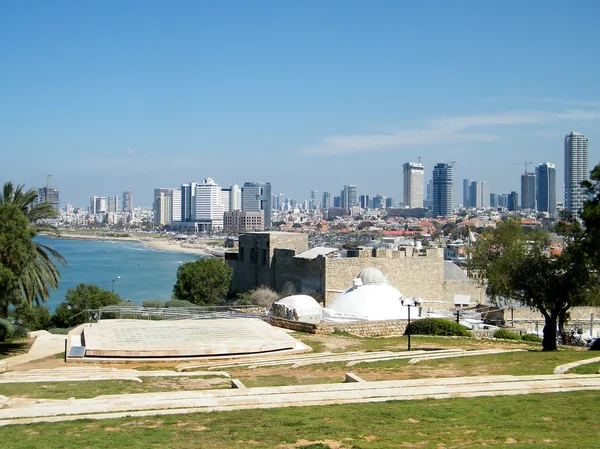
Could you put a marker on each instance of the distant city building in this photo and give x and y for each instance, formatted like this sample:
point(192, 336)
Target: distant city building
point(545, 175)
point(349, 196)
point(390, 202)
point(98, 205)
point(163, 209)
point(528, 191)
point(503, 200)
point(113, 204)
point(209, 208)
point(337, 201)
point(443, 186)
point(188, 202)
point(413, 184)
point(127, 201)
point(428, 202)
point(479, 194)
point(240, 221)
point(576, 171)
point(363, 201)
point(314, 200)
point(49, 195)
point(326, 200)
point(466, 192)
point(235, 198)
point(256, 196)
point(378, 201)
point(513, 201)
point(494, 200)
point(176, 205)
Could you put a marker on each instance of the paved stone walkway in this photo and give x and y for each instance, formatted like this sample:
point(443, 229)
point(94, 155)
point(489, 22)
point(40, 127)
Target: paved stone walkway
point(180, 402)
point(45, 345)
point(562, 369)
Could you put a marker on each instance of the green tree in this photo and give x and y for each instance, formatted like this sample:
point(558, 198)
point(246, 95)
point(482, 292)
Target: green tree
point(40, 274)
point(517, 266)
point(17, 252)
point(203, 282)
point(84, 297)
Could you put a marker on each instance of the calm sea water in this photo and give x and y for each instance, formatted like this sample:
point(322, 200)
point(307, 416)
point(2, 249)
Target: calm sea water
point(145, 273)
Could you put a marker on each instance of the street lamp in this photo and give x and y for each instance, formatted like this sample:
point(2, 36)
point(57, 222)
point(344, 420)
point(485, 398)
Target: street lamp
point(113, 283)
point(412, 302)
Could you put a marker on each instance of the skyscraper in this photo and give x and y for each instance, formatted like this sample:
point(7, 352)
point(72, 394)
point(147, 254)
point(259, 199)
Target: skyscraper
point(163, 208)
point(528, 200)
point(314, 199)
point(326, 200)
point(479, 194)
point(349, 196)
point(443, 186)
point(466, 193)
point(256, 196)
point(127, 201)
point(49, 195)
point(413, 184)
point(576, 170)
point(176, 205)
point(209, 206)
point(188, 201)
point(513, 201)
point(545, 175)
point(235, 198)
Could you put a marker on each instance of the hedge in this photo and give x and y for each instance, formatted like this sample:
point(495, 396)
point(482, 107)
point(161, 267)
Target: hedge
point(436, 326)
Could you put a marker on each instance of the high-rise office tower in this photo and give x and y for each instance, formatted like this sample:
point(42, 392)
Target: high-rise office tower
point(226, 199)
point(113, 203)
point(176, 205)
point(390, 202)
point(378, 201)
point(466, 193)
point(528, 191)
point(256, 196)
point(235, 198)
point(576, 171)
point(479, 194)
point(49, 195)
point(443, 186)
point(513, 201)
point(127, 201)
point(314, 199)
point(98, 205)
point(326, 200)
point(364, 201)
point(188, 201)
point(349, 196)
point(163, 208)
point(413, 184)
point(209, 208)
point(545, 175)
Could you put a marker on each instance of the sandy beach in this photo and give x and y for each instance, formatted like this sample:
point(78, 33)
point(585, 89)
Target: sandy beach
point(172, 246)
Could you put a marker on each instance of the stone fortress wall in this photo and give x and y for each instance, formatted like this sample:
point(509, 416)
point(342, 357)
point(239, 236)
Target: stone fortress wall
point(271, 259)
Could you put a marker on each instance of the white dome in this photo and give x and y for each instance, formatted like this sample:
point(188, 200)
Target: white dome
point(371, 302)
point(298, 308)
point(372, 275)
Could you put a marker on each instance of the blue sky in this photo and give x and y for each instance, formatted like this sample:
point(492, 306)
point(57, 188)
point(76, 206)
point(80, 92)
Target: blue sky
point(306, 94)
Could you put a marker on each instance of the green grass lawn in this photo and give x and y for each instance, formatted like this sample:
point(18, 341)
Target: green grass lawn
point(90, 389)
point(590, 368)
point(562, 420)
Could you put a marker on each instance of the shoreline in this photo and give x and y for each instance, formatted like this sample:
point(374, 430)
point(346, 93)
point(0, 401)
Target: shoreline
point(157, 243)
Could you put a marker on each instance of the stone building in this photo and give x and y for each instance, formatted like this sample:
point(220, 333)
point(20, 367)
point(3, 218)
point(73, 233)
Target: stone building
point(281, 259)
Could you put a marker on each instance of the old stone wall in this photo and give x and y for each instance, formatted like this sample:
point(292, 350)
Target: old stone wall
point(306, 275)
point(470, 288)
point(419, 274)
point(362, 328)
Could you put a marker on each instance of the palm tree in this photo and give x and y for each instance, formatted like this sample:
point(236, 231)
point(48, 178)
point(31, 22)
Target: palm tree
point(42, 274)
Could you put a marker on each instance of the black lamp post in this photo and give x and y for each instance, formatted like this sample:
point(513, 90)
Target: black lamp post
point(113, 283)
point(409, 303)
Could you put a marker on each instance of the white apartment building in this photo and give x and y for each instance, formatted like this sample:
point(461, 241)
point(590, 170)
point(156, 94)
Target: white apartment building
point(413, 184)
point(576, 171)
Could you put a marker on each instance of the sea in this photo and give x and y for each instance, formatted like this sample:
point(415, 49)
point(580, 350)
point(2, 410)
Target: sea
point(139, 272)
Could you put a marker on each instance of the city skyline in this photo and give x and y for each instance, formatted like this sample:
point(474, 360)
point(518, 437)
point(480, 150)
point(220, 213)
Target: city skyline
point(242, 91)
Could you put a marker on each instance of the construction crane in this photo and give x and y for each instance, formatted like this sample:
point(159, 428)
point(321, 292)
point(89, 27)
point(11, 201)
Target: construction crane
point(526, 163)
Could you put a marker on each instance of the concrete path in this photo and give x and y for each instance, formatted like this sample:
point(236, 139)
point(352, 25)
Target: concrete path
point(180, 402)
point(87, 373)
point(45, 345)
point(562, 369)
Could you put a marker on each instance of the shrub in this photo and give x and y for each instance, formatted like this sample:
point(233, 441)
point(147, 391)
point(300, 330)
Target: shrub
point(179, 303)
point(531, 337)
point(506, 335)
point(6, 329)
point(262, 296)
point(437, 326)
point(153, 303)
